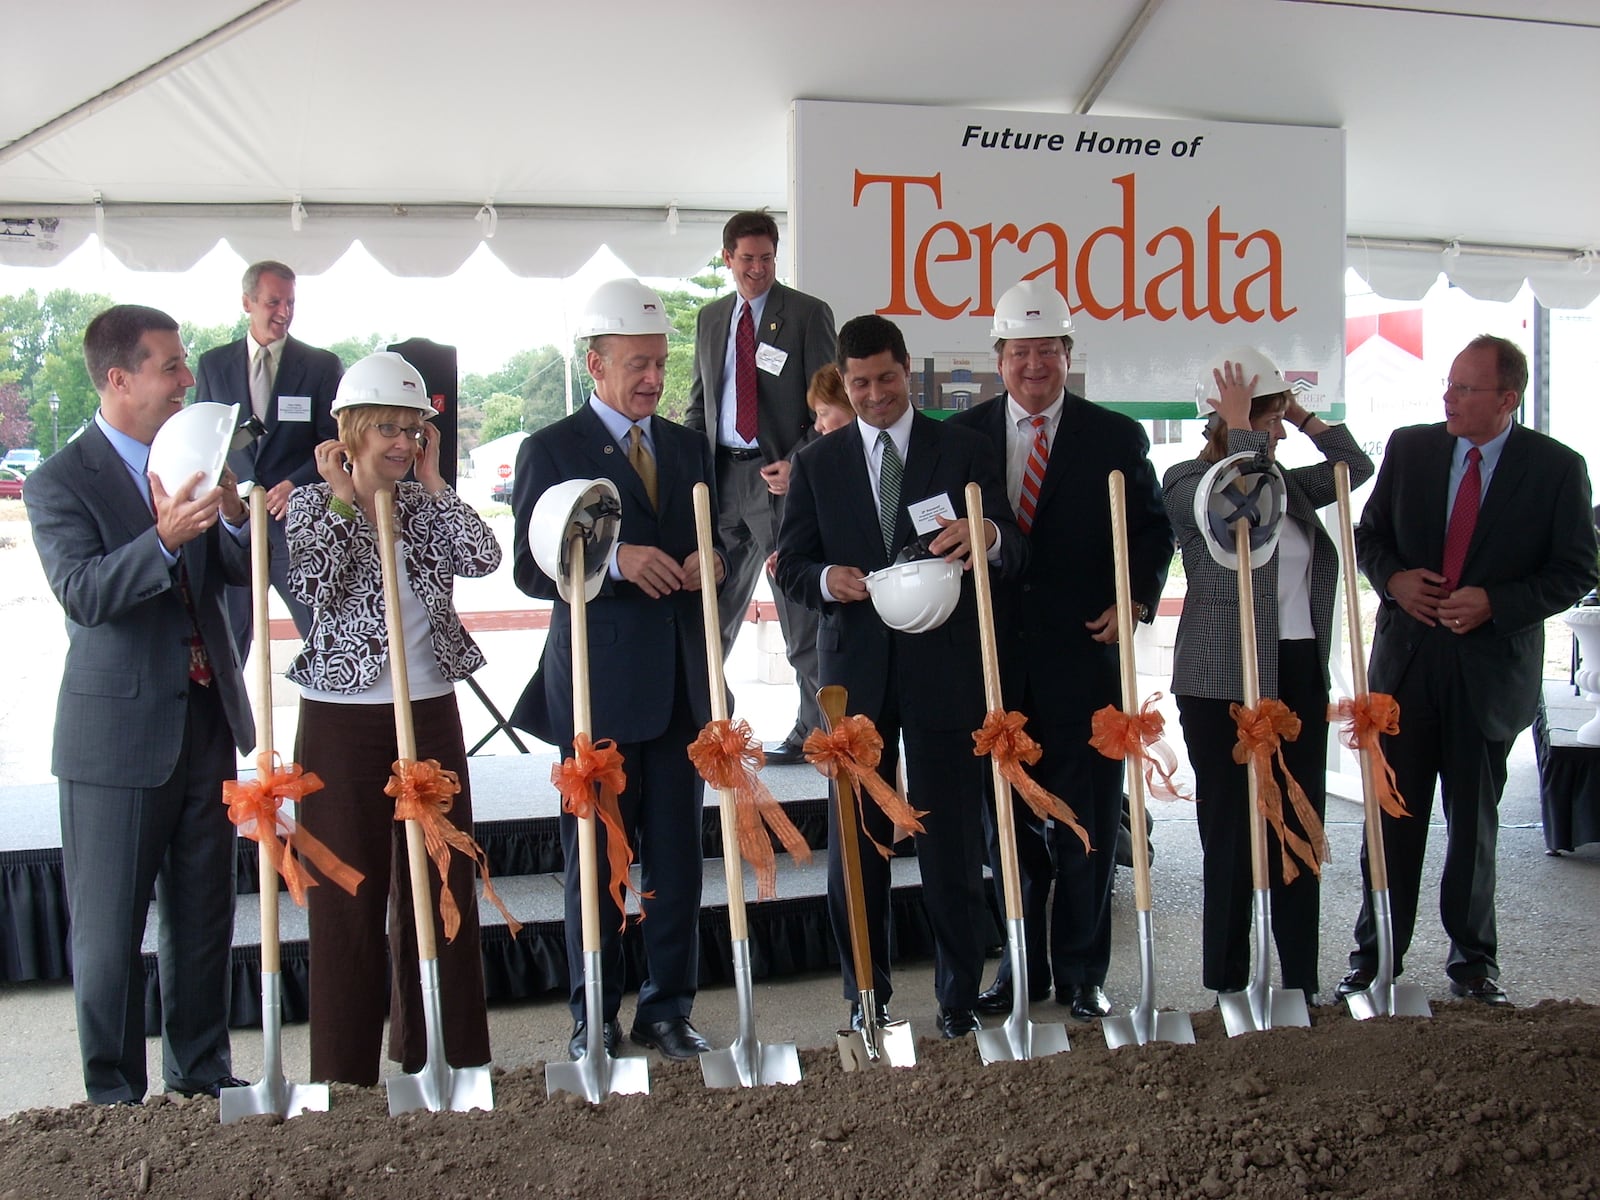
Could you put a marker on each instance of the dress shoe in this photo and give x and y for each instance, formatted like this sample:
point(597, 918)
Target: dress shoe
point(855, 1016)
point(1088, 1003)
point(578, 1043)
point(785, 753)
point(957, 1022)
point(214, 1090)
point(998, 998)
point(1482, 989)
point(1359, 979)
point(674, 1037)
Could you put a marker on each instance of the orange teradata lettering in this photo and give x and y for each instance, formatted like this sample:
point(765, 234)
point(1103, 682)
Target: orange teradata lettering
point(1117, 271)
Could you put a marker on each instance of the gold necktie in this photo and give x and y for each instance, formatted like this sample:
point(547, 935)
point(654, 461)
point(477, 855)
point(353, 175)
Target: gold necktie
point(261, 383)
point(643, 462)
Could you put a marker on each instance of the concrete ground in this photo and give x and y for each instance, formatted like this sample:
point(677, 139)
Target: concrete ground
point(1549, 907)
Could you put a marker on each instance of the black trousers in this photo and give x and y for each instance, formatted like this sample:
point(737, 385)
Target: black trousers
point(1439, 740)
point(1223, 810)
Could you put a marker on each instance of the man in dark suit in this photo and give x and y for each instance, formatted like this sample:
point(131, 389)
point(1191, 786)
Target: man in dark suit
point(152, 706)
point(1058, 628)
point(755, 352)
point(925, 687)
point(287, 387)
point(1478, 529)
point(647, 656)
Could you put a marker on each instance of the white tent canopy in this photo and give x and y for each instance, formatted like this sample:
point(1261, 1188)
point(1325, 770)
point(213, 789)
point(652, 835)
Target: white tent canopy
point(297, 126)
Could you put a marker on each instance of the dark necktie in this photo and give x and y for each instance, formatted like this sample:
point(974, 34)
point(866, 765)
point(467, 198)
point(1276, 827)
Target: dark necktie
point(199, 660)
point(1463, 520)
point(1033, 475)
point(890, 472)
point(744, 376)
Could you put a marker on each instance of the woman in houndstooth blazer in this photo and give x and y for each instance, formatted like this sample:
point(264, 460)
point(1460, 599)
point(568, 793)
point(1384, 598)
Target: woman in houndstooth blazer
point(1294, 598)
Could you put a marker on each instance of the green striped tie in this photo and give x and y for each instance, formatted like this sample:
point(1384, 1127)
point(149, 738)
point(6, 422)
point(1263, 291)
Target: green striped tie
point(891, 471)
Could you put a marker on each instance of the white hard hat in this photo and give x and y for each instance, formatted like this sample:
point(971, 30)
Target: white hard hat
point(383, 377)
point(1031, 309)
point(195, 438)
point(1242, 487)
point(915, 597)
point(588, 507)
point(1269, 380)
point(623, 306)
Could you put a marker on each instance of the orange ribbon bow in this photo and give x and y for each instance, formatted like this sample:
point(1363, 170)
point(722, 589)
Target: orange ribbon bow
point(255, 807)
point(855, 746)
point(425, 792)
point(1260, 732)
point(1122, 735)
point(1365, 717)
point(590, 782)
point(727, 756)
point(1003, 737)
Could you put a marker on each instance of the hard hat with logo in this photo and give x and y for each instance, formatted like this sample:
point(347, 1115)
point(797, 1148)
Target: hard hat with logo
point(622, 306)
point(589, 509)
point(383, 378)
point(1269, 380)
point(1031, 309)
point(916, 596)
point(1242, 487)
point(193, 439)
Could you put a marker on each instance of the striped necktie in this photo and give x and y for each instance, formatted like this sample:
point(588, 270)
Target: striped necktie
point(1033, 475)
point(891, 472)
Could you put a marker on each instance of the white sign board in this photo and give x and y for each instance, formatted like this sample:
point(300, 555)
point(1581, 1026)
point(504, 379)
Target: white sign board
point(1171, 240)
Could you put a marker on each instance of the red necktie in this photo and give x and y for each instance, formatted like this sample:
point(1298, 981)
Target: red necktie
point(1033, 475)
point(1463, 520)
point(744, 376)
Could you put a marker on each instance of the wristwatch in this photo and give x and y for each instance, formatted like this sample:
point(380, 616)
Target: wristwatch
point(1141, 612)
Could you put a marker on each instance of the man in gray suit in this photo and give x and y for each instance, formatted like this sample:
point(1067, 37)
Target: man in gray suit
point(152, 706)
point(754, 354)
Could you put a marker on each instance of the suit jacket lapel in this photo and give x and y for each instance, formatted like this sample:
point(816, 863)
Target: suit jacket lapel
point(1504, 484)
point(1066, 437)
point(599, 447)
point(772, 315)
point(116, 487)
point(922, 462)
point(1434, 491)
point(721, 320)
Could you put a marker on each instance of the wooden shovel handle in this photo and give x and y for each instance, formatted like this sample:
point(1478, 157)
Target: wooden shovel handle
point(1118, 488)
point(832, 700)
point(260, 582)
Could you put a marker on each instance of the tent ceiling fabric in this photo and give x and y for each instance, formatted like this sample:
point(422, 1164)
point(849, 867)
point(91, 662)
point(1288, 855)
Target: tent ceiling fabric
point(1457, 120)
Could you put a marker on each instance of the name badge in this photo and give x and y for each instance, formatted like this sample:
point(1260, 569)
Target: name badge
point(770, 359)
point(294, 408)
point(924, 512)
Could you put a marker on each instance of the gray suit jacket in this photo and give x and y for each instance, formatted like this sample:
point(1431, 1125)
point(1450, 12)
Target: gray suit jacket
point(125, 684)
point(798, 324)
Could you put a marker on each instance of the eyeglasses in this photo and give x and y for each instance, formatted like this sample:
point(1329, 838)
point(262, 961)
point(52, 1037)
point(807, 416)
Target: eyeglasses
point(387, 430)
point(1463, 389)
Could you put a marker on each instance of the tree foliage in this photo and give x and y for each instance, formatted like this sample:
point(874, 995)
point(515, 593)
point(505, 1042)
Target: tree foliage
point(41, 351)
point(352, 350)
point(16, 427)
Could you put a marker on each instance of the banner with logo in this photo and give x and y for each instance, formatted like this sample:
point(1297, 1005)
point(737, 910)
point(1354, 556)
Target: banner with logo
point(1171, 240)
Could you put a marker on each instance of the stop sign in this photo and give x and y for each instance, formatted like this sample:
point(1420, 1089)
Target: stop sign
point(505, 470)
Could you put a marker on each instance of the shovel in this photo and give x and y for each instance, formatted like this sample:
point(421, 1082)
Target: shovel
point(596, 1074)
point(746, 1063)
point(273, 1094)
point(438, 1086)
point(1144, 1023)
point(1383, 997)
point(1259, 1006)
point(877, 1043)
point(1019, 1038)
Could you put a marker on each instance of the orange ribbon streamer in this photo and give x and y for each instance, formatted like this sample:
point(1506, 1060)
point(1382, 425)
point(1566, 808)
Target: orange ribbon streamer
point(1260, 732)
point(1123, 735)
point(255, 807)
point(1003, 737)
point(727, 756)
point(425, 792)
point(1365, 717)
point(855, 747)
point(590, 782)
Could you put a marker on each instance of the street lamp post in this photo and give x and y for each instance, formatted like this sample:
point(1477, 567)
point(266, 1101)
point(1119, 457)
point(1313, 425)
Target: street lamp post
point(55, 422)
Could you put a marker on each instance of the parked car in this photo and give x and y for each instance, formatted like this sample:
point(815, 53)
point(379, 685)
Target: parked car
point(10, 484)
point(23, 459)
point(500, 493)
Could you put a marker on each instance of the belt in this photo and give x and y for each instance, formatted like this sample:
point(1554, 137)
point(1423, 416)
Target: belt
point(739, 455)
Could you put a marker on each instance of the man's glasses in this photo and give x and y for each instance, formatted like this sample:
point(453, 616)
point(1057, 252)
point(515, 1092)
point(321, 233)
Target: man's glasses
point(1463, 389)
point(387, 430)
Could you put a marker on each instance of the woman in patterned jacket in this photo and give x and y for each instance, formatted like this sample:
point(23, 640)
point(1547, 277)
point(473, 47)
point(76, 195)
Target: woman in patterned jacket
point(1249, 404)
point(347, 734)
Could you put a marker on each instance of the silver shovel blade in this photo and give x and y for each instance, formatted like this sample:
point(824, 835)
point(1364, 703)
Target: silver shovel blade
point(754, 1064)
point(441, 1089)
point(596, 1076)
point(1270, 1008)
point(272, 1096)
point(1140, 1029)
point(893, 1045)
point(1395, 1000)
point(1017, 1041)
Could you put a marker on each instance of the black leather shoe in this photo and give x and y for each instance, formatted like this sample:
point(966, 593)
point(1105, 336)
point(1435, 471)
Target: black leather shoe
point(213, 1090)
point(1359, 979)
point(1088, 1003)
point(998, 998)
point(855, 1016)
point(1482, 989)
point(675, 1037)
point(957, 1022)
point(578, 1043)
point(785, 753)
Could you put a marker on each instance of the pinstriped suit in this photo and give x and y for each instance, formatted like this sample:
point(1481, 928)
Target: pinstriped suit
point(1207, 678)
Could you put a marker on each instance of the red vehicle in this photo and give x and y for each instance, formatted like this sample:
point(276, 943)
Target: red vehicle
point(10, 484)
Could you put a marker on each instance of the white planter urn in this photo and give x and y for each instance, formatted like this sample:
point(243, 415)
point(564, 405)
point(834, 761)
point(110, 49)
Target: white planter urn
point(1585, 625)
